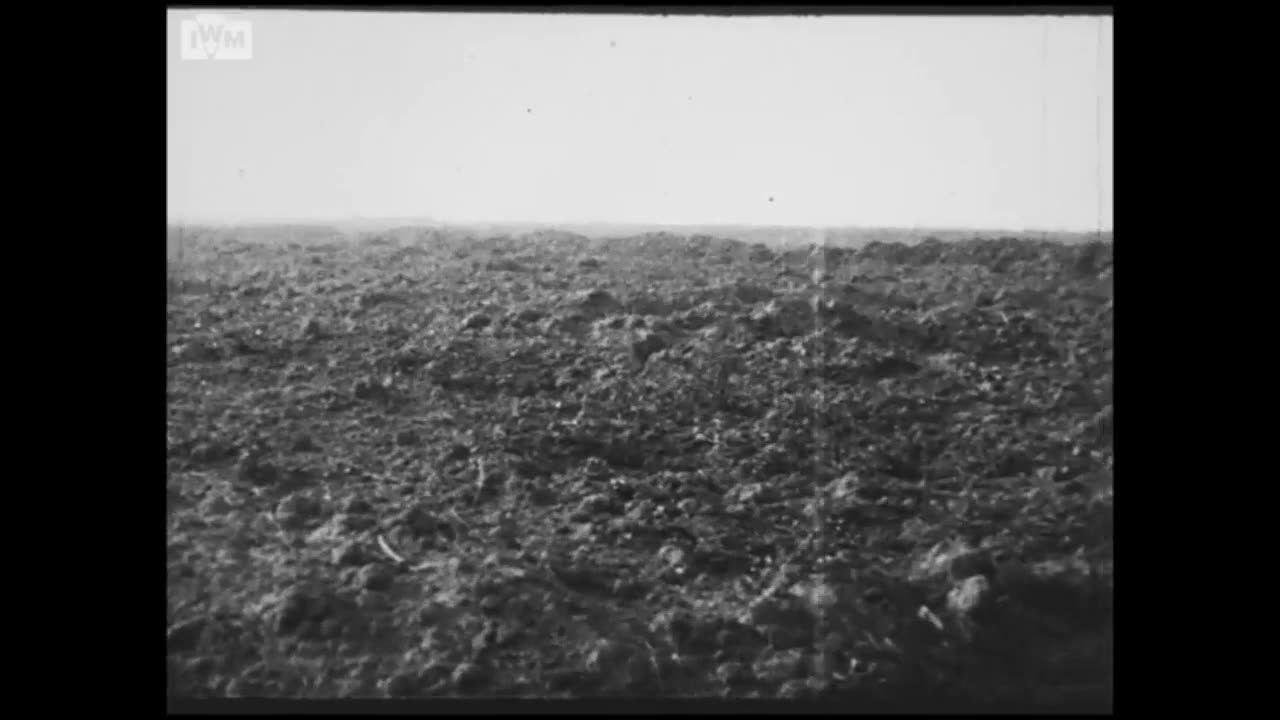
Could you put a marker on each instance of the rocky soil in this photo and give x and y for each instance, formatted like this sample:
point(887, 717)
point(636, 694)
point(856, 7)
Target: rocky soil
point(417, 464)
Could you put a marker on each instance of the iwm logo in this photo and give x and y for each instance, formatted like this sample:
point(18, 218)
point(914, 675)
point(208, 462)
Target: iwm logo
point(214, 37)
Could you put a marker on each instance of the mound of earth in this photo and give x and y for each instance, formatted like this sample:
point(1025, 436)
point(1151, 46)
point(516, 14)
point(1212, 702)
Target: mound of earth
point(416, 464)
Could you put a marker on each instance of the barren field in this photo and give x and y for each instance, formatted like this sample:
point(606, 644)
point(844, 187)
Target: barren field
point(416, 464)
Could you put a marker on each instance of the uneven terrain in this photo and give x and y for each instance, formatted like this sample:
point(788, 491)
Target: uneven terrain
point(418, 464)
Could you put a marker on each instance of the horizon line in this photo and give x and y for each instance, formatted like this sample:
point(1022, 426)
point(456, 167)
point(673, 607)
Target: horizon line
point(423, 221)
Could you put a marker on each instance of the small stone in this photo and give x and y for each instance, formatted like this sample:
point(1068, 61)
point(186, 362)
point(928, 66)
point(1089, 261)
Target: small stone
point(304, 443)
point(469, 677)
point(845, 487)
point(329, 629)
point(677, 625)
point(370, 390)
point(822, 597)
point(640, 510)
point(374, 601)
point(350, 553)
point(783, 610)
point(312, 328)
point(484, 641)
point(256, 472)
point(628, 589)
point(433, 613)
point(753, 493)
point(295, 608)
point(355, 522)
point(672, 556)
point(606, 655)
point(596, 469)
point(779, 666)
point(701, 639)
point(733, 673)
point(376, 577)
point(185, 637)
point(422, 522)
point(402, 685)
point(360, 688)
point(476, 321)
point(298, 510)
point(971, 597)
point(368, 667)
point(435, 672)
point(206, 452)
point(596, 503)
point(530, 315)
point(794, 689)
point(835, 642)
point(214, 504)
point(647, 346)
point(968, 564)
point(622, 489)
point(202, 666)
point(244, 688)
point(357, 506)
point(491, 603)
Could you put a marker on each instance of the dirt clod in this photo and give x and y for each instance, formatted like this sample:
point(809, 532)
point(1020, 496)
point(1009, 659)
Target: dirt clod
point(304, 444)
point(403, 685)
point(734, 673)
point(377, 577)
point(468, 677)
point(350, 553)
point(185, 637)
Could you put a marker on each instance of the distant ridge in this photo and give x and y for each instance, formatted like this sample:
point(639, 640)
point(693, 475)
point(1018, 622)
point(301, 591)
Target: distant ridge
point(784, 235)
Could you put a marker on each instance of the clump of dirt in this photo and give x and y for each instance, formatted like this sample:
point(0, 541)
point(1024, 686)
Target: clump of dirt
point(423, 464)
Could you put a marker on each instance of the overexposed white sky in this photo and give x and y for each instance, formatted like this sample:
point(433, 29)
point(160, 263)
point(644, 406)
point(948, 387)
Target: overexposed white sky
point(878, 121)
